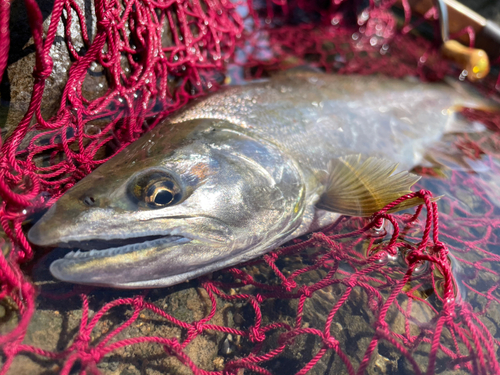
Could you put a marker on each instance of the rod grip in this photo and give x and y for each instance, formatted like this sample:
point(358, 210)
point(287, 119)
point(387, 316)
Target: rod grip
point(474, 60)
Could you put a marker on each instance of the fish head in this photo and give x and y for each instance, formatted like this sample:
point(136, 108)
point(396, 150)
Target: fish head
point(171, 208)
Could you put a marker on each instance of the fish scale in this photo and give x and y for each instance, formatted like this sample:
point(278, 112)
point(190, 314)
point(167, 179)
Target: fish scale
point(337, 115)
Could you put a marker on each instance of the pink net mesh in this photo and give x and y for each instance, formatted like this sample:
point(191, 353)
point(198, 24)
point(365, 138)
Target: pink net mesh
point(430, 311)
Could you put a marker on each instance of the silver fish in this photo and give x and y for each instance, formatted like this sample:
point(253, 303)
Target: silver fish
point(243, 171)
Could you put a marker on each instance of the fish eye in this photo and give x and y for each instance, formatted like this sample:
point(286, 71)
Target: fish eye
point(159, 194)
point(157, 190)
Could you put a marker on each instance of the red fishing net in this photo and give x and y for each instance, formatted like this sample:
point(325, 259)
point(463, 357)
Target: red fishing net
point(413, 293)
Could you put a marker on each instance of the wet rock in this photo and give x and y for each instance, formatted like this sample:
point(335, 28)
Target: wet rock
point(17, 83)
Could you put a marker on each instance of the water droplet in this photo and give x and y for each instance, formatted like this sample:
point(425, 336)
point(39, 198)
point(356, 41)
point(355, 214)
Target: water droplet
point(355, 36)
point(421, 268)
point(384, 258)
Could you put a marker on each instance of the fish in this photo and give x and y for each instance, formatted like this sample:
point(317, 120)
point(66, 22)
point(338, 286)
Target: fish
point(242, 171)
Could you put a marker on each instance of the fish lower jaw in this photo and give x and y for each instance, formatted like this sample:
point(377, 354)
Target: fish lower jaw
point(127, 248)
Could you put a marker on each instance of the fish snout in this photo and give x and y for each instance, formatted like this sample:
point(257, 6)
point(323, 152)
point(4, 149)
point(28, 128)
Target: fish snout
point(63, 219)
point(40, 233)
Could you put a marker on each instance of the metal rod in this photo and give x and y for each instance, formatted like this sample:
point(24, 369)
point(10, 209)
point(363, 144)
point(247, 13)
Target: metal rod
point(443, 19)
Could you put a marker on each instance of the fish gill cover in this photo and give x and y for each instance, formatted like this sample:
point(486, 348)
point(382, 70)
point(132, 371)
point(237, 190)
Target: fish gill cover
point(353, 298)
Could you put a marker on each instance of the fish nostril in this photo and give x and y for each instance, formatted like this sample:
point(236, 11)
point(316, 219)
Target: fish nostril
point(89, 201)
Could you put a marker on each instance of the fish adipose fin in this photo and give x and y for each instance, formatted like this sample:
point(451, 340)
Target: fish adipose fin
point(362, 188)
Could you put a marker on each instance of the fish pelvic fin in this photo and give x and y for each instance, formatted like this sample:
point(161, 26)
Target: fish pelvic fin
point(362, 188)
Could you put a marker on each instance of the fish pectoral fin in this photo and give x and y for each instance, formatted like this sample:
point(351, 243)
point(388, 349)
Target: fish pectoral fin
point(362, 188)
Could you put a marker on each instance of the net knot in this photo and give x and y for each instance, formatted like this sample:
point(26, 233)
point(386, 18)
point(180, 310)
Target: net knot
point(440, 248)
point(259, 298)
point(289, 285)
point(449, 311)
point(422, 193)
point(413, 256)
point(271, 257)
point(82, 340)
point(10, 350)
point(43, 70)
point(381, 326)
point(305, 291)
point(103, 24)
point(139, 302)
point(256, 335)
point(330, 342)
point(378, 224)
point(93, 355)
point(350, 283)
point(197, 327)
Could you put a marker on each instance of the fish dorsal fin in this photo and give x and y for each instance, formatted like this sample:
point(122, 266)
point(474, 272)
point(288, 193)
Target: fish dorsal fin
point(362, 188)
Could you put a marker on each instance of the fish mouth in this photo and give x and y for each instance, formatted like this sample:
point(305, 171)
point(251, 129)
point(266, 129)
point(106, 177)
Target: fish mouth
point(116, 261)
point(111, 247)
